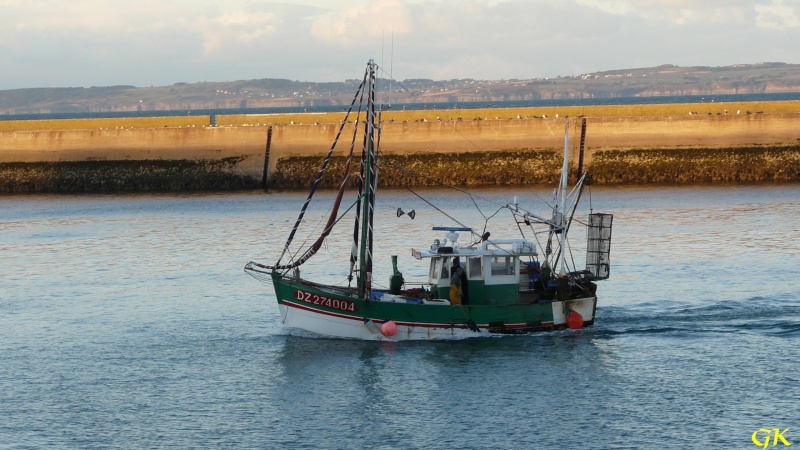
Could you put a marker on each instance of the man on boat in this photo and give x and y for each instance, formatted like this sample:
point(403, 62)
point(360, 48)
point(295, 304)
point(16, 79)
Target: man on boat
point(456, 294)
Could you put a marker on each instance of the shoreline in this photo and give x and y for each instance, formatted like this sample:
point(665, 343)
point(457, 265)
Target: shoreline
point(473, 189)
point(433, 114)
point(624, 145)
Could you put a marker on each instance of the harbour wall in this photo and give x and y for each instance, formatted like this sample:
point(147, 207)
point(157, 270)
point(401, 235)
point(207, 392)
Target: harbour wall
point(192, 155)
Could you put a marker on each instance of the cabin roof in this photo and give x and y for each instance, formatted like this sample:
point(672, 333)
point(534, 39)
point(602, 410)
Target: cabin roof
point(508, 247)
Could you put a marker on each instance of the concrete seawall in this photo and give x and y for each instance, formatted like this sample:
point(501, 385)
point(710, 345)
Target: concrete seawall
point(134, 159)
point(744, 147)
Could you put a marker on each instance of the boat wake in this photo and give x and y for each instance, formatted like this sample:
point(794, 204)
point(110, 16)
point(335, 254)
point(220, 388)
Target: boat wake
point(777, 315)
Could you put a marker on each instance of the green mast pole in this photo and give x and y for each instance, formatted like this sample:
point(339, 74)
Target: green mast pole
point(365, 257)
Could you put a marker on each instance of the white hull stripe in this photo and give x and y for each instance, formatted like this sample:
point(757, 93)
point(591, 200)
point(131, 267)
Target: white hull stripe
point(407, 324)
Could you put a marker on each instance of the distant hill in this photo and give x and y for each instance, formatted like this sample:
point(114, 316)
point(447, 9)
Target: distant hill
point(666, 80)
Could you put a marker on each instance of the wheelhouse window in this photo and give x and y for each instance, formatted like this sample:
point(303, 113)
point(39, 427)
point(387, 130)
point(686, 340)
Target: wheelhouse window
point(474, 265)
point(445, 269)
point(439, 269)
point(502, 265)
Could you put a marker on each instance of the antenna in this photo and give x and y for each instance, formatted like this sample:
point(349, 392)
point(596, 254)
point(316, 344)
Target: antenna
point(383, 45)
point(391, 64)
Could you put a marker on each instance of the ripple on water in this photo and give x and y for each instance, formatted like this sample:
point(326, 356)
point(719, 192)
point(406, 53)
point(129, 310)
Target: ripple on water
point(127, 321)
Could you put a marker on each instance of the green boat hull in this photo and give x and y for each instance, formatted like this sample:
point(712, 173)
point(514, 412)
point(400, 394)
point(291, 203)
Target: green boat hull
point(338, 312)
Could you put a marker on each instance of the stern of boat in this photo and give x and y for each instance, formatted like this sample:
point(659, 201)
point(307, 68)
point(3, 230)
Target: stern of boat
point(585, 307)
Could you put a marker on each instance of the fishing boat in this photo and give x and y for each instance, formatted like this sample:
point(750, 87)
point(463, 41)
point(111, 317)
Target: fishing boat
point(486, 285)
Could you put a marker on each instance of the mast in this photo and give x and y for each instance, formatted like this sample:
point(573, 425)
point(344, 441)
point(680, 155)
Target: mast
point(563, 194)
point(365, 257)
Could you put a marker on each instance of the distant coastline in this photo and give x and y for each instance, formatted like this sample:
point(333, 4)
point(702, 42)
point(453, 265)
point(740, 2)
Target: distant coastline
point(665, 83)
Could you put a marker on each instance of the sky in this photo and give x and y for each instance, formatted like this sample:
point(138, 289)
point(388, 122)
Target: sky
point(82, 43)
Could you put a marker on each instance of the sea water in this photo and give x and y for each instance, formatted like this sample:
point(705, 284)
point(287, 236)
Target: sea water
point(126, 321)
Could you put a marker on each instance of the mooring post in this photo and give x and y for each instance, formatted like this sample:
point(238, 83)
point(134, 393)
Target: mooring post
point(266, 158)
point(583, 141)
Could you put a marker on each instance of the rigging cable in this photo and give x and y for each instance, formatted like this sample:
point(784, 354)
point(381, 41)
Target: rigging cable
point(416, 97)
point(441, 211)
point(410, 173)
point(419, 99)
point(470, 195)
point(321, 172)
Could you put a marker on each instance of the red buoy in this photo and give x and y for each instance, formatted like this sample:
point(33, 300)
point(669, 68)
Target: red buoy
point(574, 320)
point(390, 328)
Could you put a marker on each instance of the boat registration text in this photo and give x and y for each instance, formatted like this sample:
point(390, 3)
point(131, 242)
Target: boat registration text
point(327, 302)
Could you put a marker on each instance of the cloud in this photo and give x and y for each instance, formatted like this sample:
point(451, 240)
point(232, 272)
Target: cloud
point(678, 12)
point(159, 42)
point(369, 20)
point(774, 14)
point(777, 15)
point(232, 29)
point(87, 14)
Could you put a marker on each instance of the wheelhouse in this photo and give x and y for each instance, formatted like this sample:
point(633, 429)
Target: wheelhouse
point(497, 272)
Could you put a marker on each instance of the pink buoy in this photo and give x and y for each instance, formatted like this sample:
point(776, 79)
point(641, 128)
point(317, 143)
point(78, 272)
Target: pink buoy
point(574, 320)
point(389, 328)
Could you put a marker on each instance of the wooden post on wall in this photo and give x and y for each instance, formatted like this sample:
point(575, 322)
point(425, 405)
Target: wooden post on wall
point(266, 158)
point(583, 142)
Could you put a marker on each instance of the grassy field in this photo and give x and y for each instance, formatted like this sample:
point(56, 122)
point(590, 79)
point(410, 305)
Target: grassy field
point(400, 115)
point(105, 123)
point(432, 115)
